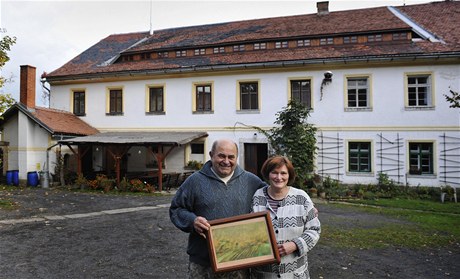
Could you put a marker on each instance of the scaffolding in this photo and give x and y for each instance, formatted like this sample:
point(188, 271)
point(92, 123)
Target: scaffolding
point(389, 157)
point(449, 160)
point(330, 152)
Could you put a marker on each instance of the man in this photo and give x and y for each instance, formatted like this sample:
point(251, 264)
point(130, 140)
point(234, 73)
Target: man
point(220, 189)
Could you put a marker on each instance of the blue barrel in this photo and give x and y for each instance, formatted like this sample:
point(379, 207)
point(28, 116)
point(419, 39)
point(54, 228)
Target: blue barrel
point(15, 177)
point(32, 178)
point(9, 177)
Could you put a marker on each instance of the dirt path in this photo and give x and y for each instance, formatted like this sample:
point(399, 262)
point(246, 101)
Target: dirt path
point(118, 236)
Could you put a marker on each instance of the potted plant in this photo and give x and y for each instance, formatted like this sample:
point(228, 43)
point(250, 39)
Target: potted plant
point(313, 192)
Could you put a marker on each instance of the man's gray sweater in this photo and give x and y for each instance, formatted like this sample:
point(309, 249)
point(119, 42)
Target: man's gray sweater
point(204, 194)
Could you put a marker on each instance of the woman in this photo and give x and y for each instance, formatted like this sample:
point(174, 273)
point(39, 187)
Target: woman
point(294, 219)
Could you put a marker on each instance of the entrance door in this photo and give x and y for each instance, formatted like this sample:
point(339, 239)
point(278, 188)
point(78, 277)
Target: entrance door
point(255, 155)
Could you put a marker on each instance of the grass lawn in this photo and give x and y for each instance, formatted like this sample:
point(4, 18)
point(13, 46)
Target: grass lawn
point(417, 224)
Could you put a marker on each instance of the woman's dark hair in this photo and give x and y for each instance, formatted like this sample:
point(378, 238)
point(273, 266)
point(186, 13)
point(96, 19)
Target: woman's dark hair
point(275, 162)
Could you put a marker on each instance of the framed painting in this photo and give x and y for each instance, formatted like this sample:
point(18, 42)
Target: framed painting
point(241, 242)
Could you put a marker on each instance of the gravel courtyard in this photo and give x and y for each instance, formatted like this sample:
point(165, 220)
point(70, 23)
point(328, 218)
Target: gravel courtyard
point(55, 233)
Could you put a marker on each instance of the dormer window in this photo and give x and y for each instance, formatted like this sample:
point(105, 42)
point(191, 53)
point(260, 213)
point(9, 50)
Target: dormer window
point(145, 56)
point(399, 36)
point(374, 38)
point(350, 39)
point(181, 53)
point(259, 46)
point(219, 50)
point(163, 54)
point(326, 41)
point(283, 44)
point(238, 48)
point(200, 51)
point(303, 43)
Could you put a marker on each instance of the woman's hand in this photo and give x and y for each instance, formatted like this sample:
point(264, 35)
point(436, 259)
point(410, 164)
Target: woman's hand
point(201, 225)
point(287, 248)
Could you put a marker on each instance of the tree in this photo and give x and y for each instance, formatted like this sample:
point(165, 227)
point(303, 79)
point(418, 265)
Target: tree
point(5, 46)
point(6, 100)
point(454, 99)
point(294, 138)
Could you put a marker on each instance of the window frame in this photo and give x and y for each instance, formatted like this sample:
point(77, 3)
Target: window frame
point(301, 79)
point(360, 156)
point(109, 99)
point(199, 52)
point(196, 97)
point(420, 156)
point(369, 96)
point(218, 50)
point(239, 97)
point(429, 91)
point(74, 102)
point(195, 156)
point(281, 44)
point(148, 103)
point(238, 48)
point(304, 43)
point(181, 53)
point(260, 46)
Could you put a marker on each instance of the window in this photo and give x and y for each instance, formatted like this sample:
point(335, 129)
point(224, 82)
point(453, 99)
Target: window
point(283, 44)
point(421, 158)
point(301, 91)
point(145, 56)
point(163, 54)
point(259, 46)
point(326, 41)
point(195, 154)
point(249, 96)
point(419, 91)
point(303, 43)
point(358, 92)
point(219, 50)
point(156, 99)
point(399, 36)
point(79, 103)
point(359, 157)
point(197, 148)
point(374, 38)
point(203, 95)
point(181, 53)
point(350, 39)
point(238, 48)
point(116, 101)
point(200, 51)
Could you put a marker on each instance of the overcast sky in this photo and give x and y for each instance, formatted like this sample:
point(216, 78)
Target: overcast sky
point(51, 33)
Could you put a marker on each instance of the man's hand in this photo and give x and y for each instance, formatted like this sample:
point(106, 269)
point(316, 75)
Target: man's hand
point(201, 225)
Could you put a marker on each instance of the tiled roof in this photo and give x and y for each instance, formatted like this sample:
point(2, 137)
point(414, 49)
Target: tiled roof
point(62, 122)
point(440, 18)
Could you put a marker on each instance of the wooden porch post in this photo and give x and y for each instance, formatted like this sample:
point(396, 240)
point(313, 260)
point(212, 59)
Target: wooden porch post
point(160, 156)
point(117, 154)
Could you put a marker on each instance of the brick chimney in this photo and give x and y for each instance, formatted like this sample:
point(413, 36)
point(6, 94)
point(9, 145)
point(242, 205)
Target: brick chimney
point(323, 7)
point(27, 86)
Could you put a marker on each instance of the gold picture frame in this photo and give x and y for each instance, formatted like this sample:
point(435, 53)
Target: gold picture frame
point(242, 242)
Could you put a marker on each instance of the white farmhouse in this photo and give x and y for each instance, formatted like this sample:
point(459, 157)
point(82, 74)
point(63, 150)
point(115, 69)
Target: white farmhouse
point(375, 79)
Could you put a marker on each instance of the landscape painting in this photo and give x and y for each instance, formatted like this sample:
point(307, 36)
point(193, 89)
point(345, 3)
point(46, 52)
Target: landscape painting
point(242, 241)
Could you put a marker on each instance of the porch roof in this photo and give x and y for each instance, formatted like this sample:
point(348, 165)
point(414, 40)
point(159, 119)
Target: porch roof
point(137, 138)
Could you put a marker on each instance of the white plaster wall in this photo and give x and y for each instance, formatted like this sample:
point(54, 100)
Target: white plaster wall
point(388, 113)
point(27, 145)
